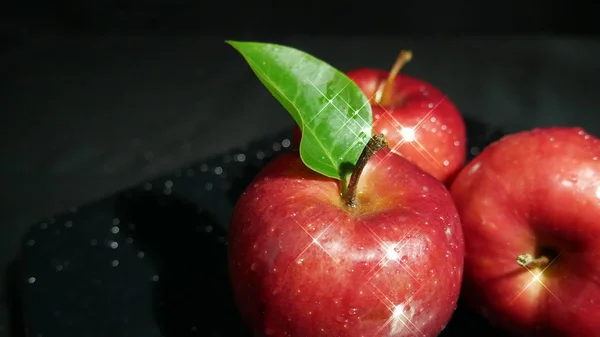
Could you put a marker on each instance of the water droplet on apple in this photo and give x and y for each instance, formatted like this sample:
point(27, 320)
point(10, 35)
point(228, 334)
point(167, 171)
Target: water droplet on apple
point(353, 311)
point(299, 261)
point(253, 267)
point(433, 119)
point(436, 150)
point(341, 319)
point(404, 259)
point(446, 163)
point(431, 271)
point(444, 127)
point(456, 143)
point(595, 158)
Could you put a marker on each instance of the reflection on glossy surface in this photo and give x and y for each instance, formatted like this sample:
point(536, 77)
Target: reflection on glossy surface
point(531, 216)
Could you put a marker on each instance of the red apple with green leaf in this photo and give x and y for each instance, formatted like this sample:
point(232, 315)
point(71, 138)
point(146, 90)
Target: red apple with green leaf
point(341, 238)
point(530, 208)
point(419, 121)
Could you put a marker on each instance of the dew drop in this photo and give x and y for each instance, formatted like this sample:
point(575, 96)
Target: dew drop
point(446, 163)
point(404, 259)
point(353, 311)
point(341, 319)
point(456, 143)
point(253, 267)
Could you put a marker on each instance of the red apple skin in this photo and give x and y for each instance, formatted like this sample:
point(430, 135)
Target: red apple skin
point(438, 145)
point(347, 282)
point(528, 191)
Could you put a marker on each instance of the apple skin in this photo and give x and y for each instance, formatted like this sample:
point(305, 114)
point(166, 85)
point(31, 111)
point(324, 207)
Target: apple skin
point(438, 141)
point(534, 191)
point(402, 245)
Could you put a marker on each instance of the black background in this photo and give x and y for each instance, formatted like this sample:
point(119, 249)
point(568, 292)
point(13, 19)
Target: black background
point(101, 95)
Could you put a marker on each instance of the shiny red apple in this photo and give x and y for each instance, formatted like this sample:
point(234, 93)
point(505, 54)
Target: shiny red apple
point(305, 262)
point(420, 122)
point(530, 208)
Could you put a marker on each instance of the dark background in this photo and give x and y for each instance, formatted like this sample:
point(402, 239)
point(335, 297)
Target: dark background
point(100, 95)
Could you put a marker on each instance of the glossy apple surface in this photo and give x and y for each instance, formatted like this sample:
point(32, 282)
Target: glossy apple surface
point(303, 264)
point(419, 121)
point(538, 193)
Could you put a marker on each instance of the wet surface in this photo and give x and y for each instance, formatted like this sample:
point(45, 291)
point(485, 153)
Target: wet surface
point(151, 260)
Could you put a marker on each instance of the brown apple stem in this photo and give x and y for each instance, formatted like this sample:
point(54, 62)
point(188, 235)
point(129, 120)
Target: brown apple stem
point(376, 143)
point(528, 261)
point(384, 93)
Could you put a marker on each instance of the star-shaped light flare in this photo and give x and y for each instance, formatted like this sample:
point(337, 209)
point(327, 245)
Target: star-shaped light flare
point(398, 319)
point(537, 277)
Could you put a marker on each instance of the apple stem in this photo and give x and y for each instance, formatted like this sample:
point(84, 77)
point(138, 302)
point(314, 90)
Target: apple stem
point(384, 93)
point(528, 261)
point(376, 143)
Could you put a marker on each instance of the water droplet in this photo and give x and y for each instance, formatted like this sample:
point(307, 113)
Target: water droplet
point(446, 163)
point(431, 271)
point(362, 135)
point(444, 127)
point(253, 267)
point(433, 119)
point(456, 143)
point(353, 311)
point(404, 259)
point(300, 261)
point(341, 319)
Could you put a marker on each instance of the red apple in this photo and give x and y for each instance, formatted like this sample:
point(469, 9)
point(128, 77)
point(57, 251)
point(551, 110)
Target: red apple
point(419, 121)
point(306, 263)
point(530, 208)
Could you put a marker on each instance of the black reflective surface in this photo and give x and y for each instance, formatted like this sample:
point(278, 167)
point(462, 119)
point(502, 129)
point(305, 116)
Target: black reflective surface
point(151, 261)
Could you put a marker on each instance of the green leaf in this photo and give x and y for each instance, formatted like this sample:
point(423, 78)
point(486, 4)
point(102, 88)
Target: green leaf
point(334, 115)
